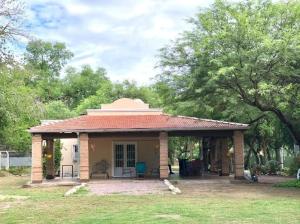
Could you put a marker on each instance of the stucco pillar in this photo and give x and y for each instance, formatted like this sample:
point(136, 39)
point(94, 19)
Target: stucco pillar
point(238, 141)
point(225, 158)
point(163, 155)
point(84, 157)
point(36, 167)
point(50, 169)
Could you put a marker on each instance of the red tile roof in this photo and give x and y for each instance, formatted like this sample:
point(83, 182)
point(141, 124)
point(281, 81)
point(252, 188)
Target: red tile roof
point(118, 123)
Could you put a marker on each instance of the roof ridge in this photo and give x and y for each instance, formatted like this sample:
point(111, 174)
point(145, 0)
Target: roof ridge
point(212, 120)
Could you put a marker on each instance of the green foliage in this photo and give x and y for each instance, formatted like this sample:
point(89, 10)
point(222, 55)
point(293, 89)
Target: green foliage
point(293, 165)
point(181, 147)
point(19, 108)
point(272, 166)
point(19, 171)
point(45, 61)
point(57, 154)
point(103, 95)
point(57, 110)
point(109, 92)
point(238, 55)
point(47, 58)
point(290, 183)
point(239, 62)
point(80, 85)
point(128, 89)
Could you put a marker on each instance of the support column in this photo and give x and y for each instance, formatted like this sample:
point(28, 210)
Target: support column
point(213, 154)
point(225, 158)
point(238, 141)
point(50, 168)
point(84, 157)
point(36, 167)
point(163, 155)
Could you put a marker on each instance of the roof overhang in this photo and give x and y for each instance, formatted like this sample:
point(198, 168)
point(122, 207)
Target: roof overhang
point(68, 131)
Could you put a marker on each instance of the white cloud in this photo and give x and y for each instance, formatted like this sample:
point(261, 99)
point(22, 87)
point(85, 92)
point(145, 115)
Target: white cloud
point(121, 36)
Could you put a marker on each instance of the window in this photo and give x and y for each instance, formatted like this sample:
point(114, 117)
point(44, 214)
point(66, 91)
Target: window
point(130, 155)
point(119, 155)
point(75, 153)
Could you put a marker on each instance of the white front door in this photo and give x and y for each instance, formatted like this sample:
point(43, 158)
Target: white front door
point(124, 159)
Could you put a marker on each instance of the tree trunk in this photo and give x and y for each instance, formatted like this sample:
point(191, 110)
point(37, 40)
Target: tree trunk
point(255, 155)
point(277, 154)
point(247, 159)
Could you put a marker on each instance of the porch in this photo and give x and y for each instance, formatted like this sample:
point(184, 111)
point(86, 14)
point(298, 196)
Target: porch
point(121, 152)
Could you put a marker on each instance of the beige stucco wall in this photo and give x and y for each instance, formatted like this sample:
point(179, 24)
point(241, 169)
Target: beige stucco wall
point(67, 155)
point(101, 148)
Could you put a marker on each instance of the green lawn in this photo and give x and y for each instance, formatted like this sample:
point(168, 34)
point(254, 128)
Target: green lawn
point(47, 205)
point(291, 183)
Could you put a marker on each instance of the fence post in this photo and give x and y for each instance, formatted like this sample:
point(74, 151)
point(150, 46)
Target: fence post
point(7, 160)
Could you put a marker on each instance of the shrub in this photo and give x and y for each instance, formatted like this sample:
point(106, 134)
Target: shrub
point(18, 171)
point(294, 165)
point(272, 167)
point(258, 169)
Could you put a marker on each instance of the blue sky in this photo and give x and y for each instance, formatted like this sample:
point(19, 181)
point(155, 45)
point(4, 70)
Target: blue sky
point(121, 36)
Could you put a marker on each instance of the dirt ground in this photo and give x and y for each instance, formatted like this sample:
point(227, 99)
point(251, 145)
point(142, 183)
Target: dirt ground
point(209, 186)
point(226, 188)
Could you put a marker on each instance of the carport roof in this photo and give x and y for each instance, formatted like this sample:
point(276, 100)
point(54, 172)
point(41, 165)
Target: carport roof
point(133, 123)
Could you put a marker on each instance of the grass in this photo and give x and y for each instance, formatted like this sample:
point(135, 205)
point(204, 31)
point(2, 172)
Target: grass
point(47, 205)
point(290, 183)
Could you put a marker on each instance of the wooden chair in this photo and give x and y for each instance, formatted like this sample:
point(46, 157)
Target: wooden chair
point(100, 170)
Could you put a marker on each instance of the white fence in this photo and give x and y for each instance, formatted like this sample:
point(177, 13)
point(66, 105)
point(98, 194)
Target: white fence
point(20, 161)
point(10, 159)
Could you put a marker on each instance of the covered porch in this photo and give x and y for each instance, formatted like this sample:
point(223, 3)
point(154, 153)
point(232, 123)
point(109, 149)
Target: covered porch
point(123, 150)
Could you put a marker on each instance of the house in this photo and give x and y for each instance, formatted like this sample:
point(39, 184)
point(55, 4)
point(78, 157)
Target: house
point(127, 131)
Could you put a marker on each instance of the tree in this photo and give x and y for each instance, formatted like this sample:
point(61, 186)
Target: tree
point(246, 52)
point(45, 60)
point(128, 89)
point(103, 95)
point(82, 84)
point(19, 109)
point(11, 13)
point(47, 57)
point(109, 92)
point(57, 110)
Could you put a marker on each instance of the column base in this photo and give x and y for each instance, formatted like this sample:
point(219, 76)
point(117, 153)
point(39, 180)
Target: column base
point(239, 177)
point(164, 172)
point(84, 180)
point(36, 181)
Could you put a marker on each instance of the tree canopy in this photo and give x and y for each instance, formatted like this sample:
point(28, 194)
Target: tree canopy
point(244, 54)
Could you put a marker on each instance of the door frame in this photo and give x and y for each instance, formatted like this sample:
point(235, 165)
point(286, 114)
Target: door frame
point(125, 153)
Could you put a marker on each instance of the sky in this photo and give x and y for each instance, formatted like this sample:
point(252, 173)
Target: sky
point(122, 36)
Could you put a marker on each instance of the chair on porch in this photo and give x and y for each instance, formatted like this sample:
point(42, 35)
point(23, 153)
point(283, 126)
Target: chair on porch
point(100, 170)
point(140, 169)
